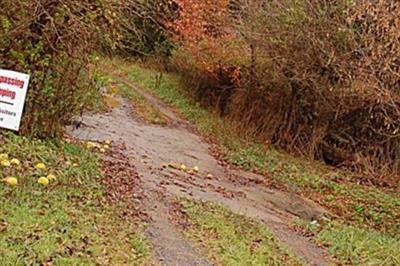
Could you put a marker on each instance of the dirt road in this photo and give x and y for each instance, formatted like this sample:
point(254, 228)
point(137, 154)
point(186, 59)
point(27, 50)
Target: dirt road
point(153, 149)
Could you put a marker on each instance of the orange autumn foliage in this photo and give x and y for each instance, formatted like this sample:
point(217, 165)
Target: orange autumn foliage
point(202, 29)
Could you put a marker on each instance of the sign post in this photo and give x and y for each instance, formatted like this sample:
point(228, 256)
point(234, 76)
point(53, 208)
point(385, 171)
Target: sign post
point(13, 88)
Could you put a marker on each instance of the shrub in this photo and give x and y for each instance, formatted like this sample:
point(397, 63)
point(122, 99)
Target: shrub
point(143, 31)
point(53, 41)
point(316, 77)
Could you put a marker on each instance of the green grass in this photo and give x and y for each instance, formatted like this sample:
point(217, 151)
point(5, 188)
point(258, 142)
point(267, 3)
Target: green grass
point(353, 245)
point(230, 239)
point(142, 107)
point(361, 207)
point(67, 222)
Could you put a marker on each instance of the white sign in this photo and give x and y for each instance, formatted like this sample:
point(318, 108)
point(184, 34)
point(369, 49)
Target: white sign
point(13, 88)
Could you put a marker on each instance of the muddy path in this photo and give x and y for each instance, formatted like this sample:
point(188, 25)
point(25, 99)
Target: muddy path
point(153, 149)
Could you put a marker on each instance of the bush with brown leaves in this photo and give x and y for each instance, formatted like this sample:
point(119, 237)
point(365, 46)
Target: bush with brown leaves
point(53, 41)
point(317, 77)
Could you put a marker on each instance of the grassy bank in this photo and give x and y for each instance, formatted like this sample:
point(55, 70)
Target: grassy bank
point(231, 239)
point(354, 206)
point(67, 221)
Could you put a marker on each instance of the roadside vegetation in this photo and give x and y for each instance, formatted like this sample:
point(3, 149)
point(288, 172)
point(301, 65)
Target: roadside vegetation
point(231, 239)
point(371, 213)
point(305, 92)
point(353, 245)
point(315, 78)
point(53, 41)
point(56, 212)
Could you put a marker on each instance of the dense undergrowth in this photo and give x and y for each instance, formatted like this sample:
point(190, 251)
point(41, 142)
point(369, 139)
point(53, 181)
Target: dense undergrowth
point(318, 78)
point(360, 215)
point(52, 41)
point(66, 222)
point(55, 42)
